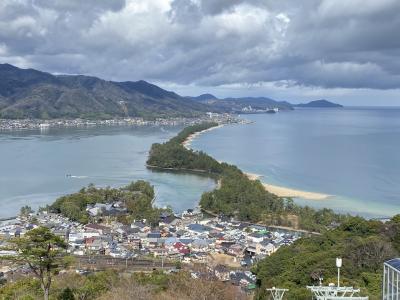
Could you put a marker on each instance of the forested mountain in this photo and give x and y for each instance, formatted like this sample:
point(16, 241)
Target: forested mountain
point(28, 93)
point(204, 97)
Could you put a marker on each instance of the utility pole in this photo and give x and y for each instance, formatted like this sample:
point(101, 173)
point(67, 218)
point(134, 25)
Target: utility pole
point(338, 265)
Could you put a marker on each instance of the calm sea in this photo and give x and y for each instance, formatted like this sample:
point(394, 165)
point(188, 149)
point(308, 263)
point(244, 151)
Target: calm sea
point(34, 164)
point(351, 153)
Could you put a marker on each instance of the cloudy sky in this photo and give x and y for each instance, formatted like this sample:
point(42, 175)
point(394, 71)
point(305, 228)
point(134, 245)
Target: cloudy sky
point(346, 51)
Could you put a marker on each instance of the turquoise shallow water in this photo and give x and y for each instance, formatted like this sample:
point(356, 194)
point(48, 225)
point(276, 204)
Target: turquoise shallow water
point(350, 153)
point(33, 165)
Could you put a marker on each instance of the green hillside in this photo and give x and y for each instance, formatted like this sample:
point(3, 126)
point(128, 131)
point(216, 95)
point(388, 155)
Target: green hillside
point(28, 93)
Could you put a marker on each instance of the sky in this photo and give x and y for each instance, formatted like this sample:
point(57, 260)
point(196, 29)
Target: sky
point(344, 51)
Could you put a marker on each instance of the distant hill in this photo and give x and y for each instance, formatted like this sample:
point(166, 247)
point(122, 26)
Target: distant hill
point(28, 93)
point(204, 97)
point(236, 105)
point(319, 104)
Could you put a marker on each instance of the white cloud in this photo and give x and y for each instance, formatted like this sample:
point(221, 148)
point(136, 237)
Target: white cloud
point(312, 44)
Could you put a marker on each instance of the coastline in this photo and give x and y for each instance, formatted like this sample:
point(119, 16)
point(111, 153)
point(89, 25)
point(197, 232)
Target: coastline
point(282, 191)
point(187, 142)
point(24, 124)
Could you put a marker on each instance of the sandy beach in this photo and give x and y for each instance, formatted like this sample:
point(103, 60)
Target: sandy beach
point(191, 137)
point(288, 192)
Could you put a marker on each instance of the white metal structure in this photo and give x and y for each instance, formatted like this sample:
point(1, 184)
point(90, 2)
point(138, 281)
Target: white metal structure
point(391, 278)
point(335, 293)
point(277, 294)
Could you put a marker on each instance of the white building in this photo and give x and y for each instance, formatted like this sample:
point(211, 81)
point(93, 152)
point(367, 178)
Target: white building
point(391, 280)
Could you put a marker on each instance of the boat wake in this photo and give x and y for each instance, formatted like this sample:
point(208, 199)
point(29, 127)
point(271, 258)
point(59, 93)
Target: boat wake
point(75, 176)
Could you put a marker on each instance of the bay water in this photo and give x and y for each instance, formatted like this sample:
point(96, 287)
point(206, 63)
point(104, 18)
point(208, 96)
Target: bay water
point(350, 153)
point(34, 165)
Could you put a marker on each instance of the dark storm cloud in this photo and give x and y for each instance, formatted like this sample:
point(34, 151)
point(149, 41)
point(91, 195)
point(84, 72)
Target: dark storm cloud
point(316, 43)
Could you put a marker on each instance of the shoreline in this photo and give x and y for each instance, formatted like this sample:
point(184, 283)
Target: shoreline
point(187, 142)
point(29, 124)
point(283, 191)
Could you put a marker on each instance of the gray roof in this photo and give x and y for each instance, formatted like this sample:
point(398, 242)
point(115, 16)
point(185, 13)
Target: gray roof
point(198, 227)
point(394, 263)
point(200, 242)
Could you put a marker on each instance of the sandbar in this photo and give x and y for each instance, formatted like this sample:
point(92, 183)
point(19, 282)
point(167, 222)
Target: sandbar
point(188, 141)
point(288, 192)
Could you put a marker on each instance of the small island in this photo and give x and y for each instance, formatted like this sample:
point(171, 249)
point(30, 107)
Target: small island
point(319, 104)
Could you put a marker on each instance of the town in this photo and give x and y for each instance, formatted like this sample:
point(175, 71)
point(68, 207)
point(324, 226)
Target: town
point(202, 244)
point(22, 124)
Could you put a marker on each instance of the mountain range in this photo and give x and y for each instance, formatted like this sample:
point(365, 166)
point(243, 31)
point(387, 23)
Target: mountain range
point(29, 93)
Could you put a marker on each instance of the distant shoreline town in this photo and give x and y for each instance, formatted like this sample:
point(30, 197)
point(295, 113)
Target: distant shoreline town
point(23, 124)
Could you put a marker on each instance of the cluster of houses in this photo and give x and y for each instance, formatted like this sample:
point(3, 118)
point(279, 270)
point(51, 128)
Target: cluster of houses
point(189, 237)
point(250, 109)
point(7, 124)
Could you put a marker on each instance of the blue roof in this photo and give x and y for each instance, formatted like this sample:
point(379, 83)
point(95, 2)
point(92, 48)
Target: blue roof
point(154, 235)
point(186, 241)
point(394, 263)
point(171, 240)
point(198, 228)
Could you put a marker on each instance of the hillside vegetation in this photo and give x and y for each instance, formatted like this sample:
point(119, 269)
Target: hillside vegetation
point(112, 285)
point(28, 93)
point(363, 245)
point(137, 197)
